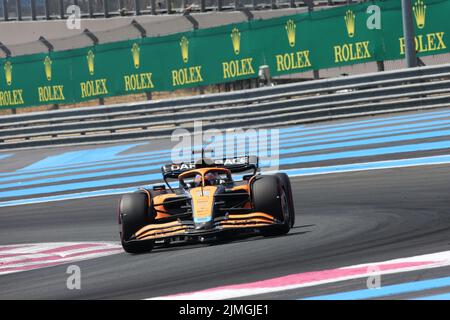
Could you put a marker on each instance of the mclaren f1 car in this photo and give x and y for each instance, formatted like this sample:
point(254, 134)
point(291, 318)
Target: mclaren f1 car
point(206, 203)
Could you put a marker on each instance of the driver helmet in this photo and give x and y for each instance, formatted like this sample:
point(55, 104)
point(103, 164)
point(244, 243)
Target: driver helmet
point(198, 180)
point(211, 178)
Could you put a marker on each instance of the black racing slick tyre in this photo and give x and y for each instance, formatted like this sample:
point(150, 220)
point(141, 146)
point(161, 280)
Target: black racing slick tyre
point(284, 178)
point(269, 196)
point(133, 215)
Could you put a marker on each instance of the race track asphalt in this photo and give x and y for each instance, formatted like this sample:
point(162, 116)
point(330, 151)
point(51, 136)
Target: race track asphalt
point(341, 220)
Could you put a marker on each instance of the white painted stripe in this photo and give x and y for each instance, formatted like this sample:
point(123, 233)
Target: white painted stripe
point(8, 248)
point(440, 259)
point(16, 258)
point(438, 256)
point(57, 260)
point(35, 251)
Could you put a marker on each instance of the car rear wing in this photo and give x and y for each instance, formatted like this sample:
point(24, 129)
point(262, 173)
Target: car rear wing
point(237, 164)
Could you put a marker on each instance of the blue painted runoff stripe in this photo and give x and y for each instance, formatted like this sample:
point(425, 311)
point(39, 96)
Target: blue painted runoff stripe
point(88, 194)
point(378, 121)
point(77, 157)
point(372, 123)
point(143, 165)
point(444, 159)
point(310, 130)
point(367, 152)
point(435, 160)
point(363, 142)
point(147, 165)
point(95, 165)
point(116, 159)
point(77, 176)
point(285, 161)
point(72, 157)
point(387, 291)
point(384, 131)
point(149, 177)
point(443, 296)
point(79, 195)
point(4, 156)
point(158, 153)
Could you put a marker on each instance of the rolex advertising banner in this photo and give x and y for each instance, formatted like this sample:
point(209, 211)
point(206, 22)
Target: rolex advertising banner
point(315, 40)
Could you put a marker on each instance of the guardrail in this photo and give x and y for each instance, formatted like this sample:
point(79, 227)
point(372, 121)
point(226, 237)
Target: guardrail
point(319, 100)
point(57, 9)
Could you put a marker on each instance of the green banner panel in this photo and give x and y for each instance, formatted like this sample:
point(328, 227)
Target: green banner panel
point(309, 41)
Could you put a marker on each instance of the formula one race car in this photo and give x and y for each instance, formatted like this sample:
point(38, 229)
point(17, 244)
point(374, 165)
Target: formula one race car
point(207, 204)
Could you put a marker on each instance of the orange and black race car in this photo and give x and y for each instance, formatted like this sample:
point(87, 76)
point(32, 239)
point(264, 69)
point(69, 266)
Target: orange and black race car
point(206, 204)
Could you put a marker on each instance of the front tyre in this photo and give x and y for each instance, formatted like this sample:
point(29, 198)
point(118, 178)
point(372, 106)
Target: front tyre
point(286, 182)
point(269, 196)
point(133, 215)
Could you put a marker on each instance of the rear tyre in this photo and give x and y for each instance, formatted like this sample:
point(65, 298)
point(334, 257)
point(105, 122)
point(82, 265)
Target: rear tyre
point(133, 215)
point(286, 182)
point(270, 197)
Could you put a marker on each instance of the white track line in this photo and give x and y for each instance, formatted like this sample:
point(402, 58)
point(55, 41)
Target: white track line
point(16, 258)
point(309, 279)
